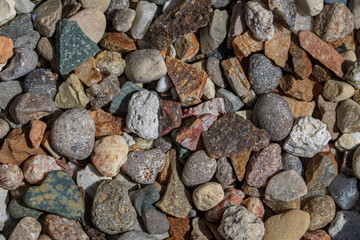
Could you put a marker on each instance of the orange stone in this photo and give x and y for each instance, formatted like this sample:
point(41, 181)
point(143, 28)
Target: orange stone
point(163, 176)
point(37, 130)
point(301, 89)
point(300, 60)
point(300, 108)
point(189, 81)
point(346, 43)
point(239, 163)
point(88, 73)
point(277, 48)
point(179, 227)
point(187, 47)
point(106, 124)
point(118, 41)
point(6, 49)
point(246, 44)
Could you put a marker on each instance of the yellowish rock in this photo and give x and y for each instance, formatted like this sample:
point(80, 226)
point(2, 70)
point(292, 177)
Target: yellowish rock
point(300, 108)
point(247, 114)
point(141, 144)
point(71, 94)
point(207, 196)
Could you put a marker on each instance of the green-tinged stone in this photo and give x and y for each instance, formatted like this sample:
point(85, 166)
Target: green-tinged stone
point(145, 198)
point(57, 194)
point(73, 47)
point(120, 102)
point(18, 27)
point(17, 209)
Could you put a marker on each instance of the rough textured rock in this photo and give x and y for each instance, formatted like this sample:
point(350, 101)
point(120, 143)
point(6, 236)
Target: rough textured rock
point(8, 90)
point(4, 128)
point(328, 116)
point(41, 80)
point(345, 225)
point(123, 19)
point(348, 141)
point(301, 89)
point(282, 206)
point(300, 60)
point(278, 47)
point(214, 72)
point(321, 73)
point(322, 211)
point(300, 108)
point(260, 20)
point(347, 119)
point(284, 12)
point(36, 167)
point(186, 47)
point(207, 196)
point(310, 7)
point(169, 117)
point(344, 191)
point(352, 74)
point(237, 22)
point(316, 235)
point(337, 91)
point(46, 17)
point(199, 230)
point(17, 209)
point(110, 63)
point(246, 44)
point(28, 228)
point(11, 176)
point(88, 73)
point(7, 11)
point(63, 228)
point(118, 41)
point(136, 235)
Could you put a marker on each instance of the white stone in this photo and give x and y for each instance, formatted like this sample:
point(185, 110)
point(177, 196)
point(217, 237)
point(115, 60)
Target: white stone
point(353, 74)
point(145, 12)
point(7, 11)
point(129, 139)
point(24, 6)
point(142, 118)
point(4, 198)
point(307, 137)
point(89, 179)
point(348, 141)
point(164, 84)
point(259, 20)
point(310, 7)
point(346, 225)
point(209, 90)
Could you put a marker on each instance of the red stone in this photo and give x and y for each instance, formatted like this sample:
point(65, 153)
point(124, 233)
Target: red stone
point(169, 117)
point(106, 124)
point(179, 228)
point(254, 205)
point(300, 60)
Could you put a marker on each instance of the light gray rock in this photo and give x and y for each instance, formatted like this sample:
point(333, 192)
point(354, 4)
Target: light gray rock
point(284, 11)
point(225, 173)
point(145, 12)
point(348, 141)
point(28, 40)
point(260, 20)
point(8, 90)
point(310, 7)
point(232, 102)
point(344, 191)
point(348, 116)
point(220, 3)
point(164, 84)
point(353, 74)
point(46, 17)
point(24, 6)
point(4, 199)
point(346, 225)
point(7, 11)
point(123, 19)
point(114, 6)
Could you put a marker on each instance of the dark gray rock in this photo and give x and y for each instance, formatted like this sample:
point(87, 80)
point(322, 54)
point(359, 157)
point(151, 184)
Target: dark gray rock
point(155, 221)
point(114, 6)
point(163, 143)
point(344, 191)
point(290, 161)
point(232, 102)
point(41, 80)
point(119, 104)
point(284, 12)
point(28, 40)
point(8, 90)
point(345, 226)
point(20, 26)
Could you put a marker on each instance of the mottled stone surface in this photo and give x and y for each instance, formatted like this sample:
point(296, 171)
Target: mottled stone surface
point(316, 235)
point(337, 91)
point(119, 42)
point(290, 161)
point(300, 60)
point(186, 47)
point(225, 173)
point(239, 163)
point(41, 80)
point(246, 43)
point(347, 116)
point(63, 228)
point(28, 228)
point(282, 206)
point(11, 176)
point(207, 196)
point(7, 49)
point(284, 12)
point(36, 167)
point(18, 27)
point(260, 20)
point(322, 210)
point(300, 108)
point(123, 19)
point(170, 116)
point(301, 89)
point(345, 225)
point(110, 63)
point(106, 124)
point(344, 191)
point(17, 209)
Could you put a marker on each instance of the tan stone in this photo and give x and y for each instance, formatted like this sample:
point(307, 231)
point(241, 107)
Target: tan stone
point(277, 48)
point(46, 144)
point(27, 229)
point(246, 44)
point(207, 196)
point(301, 89)
point(88, 73)
point(37, 130)
point(6, 49)
point(281, 206)
point(187, 47)
point(239, 163)
point(300, 108)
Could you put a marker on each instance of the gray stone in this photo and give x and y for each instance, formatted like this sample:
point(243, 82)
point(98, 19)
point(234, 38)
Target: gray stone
point(347, 114)
point(155, 221)
point(24, 6)
point(123, 19)
point(353, 74)
point(18, 27)
point(119, 104)
point(354, 6)
point(232, 102)
point(260, 20)
point(28, 40)
point(237, 22)
point(4, 129)
point(310, 7)
point(136, 235)
point(46, 17)
point(225, 173)
point(290, 161)
point(46, 48)
point(163, 143)
point(7, 11)
point(346, 225)
point(214, 72)
point(344, 191)
point(356, 163)
point(41, 80)
point(114, 6)
point(8, 90)
point(220, 3)
point(145, 12)
point(284, 12)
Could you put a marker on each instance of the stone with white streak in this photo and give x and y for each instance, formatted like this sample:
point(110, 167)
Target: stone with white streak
point(36, 167)
point(348, 141)
point(145, 12)
point(346, 225)
point(307, 137)
point(353, 74)
point(260, 20)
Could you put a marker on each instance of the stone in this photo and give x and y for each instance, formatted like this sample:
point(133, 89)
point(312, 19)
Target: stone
point(41, 80)
point(207, 196)
point(136, 235)
point(7, 12)
point(263, 75)
point(238, 222)
point(316, 235)
point(164, 84)
point(293, 162)
point(106, 124)
point(310, 8)
point(345, 225)
point(88, 73)
point(29, 40)
point(337, 91)
point(123, 19)
point(290, 225)
point(239, 163)
point(214, 72)
point(263, 165)
point(200, 230)
point(11, 176)
point(300, 108)
point(322, 211)
point(36, 167)
point(356, 163)
point(155, 221)
point(301, 62)
point(18, 210)
point(71, 94)
point(278, 47)
point(170, 115)
point(46, 48)
point(260, 20)
point(63, 228)
point(144, 65)
point(284, 12)
point(322, 52)
point(254, 205)
point(145, 12)
point(307, 137)
point(28, 228)
point(143, 105)
point(23, 62)
point(57, 187)
point(231, 101)
point(119, 104)
point(73, 138)
point(225, 173)
point(231, 124)
point(6, 47)
point(144, 199)
point(246, 44)
point(31, 106)
point(354, 7)
point(328, 116)
point(344, 191)
point(334, 22)
point(114, 6)
point(119, 42)
point(301, 89)
point(320, 73)
point(179, 227)
point(282, 206)
point(101, 5)
point(4, 128)
point(237, 22)
point(8, 90)
point(73, 47)
point(47, 15)
point(112, 211)
point(171, 24)
point(186, 47)
point(189, 81)
point(350, 58)
point(347, 120)
point(92, 21)
point(24, 6)
point(348, 141)
point(352, 75)
point(273, 114)
point(44, 237)
point(18, 27)
point(214, 33)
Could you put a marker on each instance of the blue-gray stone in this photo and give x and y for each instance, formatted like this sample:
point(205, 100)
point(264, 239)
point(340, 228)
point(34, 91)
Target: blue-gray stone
point(28, 40)
point(335, 1)
point(145, 198)
point(119, 104)
point(8, 91)
point(290, 161)
point(41, 80)
point(20, 26)
point(344, 191)
point(73, 47)
point(232, 102)
point(18, 209)
point(345, 226)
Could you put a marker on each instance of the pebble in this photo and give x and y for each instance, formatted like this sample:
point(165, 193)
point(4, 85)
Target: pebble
point(164, 84)
point(273, 114)
point(224, 172)
point(23, 62)
point(301, 89)
point(307, 137)
point(59, 188)
point(344, 191)
point(214, 72)
point(322, 211)
point(200, 230)
point(170, 116)
point(18, 27)
point(73, 138)
point(120, 42)
point(237, 22)
point(47, 16)
point(348, 141)
point(259, 20)
point(310, 7)
point(7, 11)
point(11, 176)
point(246, 44)
point(4, 128)
point(114, 6)
point(8, 90)
point(346, 114)
point(144, 65)
point(36, 167)
point(328, 116)
point(17, 209)
point(102, 5)
point(63, 228)
point(46, 48)
point(136, 235)
point(301, 62)
point(88, 73)
point(352, 75)
point(144, 199)
point(123, 19)
point(155, 221)
point(28, 228)
point(232, 102)
point(345, 225)
point(145, 12)
point(187, 46)
point(321, 73)
point(112, 211)
point(356, 163)
point(284, 11)
point(238, 222)
point(92, 21)
point(337, 91)
point(263, 165)
point(286, 186)
point(31, 106)
point(7, 47)
point(207, 196)
point(41, 80)
point(24, 6)
point(214, 107)
point(282, 206)
point(334, 22)
point(109, 154)
point(316, 235)
point(293, 162)
point(239, 163)
point(179, 227)
point(278, 47)
point(263, 75)
point(120, 102)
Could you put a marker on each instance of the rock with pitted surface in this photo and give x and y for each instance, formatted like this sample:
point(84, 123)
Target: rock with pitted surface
point(63, 228)
point(41, 80)
point(260, 20)
point(11, 176)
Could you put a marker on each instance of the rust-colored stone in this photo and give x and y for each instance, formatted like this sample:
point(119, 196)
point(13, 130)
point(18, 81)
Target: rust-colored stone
point(301, 89)
point(277, 48)
point(254, 205)
point(187, 47)
point(164, 175)
point(320, 73)
point(118, 41)
point(179, 228)
point(6, 49)
point(316, 235)
point(322, 52)
point(300, 60)
point(300, 108)
point(37, 130)
point(169, 116)
point(246, 44)
point(239, 163)
point(189, 81)
point(346, 43)
point(106, 124)
point(88, 73)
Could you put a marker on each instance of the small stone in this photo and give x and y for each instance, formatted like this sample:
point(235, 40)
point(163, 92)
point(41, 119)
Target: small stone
point(260, 20)
point(310, 7)
point(8, 90)
point(112, 211)
point(136, 235)
point(224, 172)
point(334, 22)
point(214, 72)
point(145, 12)
point(114, 6)
point(11, 176)
point(328, 116)
point(24, 6)
point(155, 221)
point(300, 108)
point(119, 104)
point(207, 196)
point(28, 228)
point(282, 206)
point(59, 188)
point(233, 126)
point(71, 94)
point(18, 210)
point(92, 21)
point(60, 228)
point(350, 58)
point(145, 65)
point(169, 117)
point(18, 27)
point(316, 235)
point(6, 47)
point(36, 167)
point(301, 62)
point(348, 141)
point(164, 84)
point(263, 75)
point(144, 199)
point(186, 47)
point(273, 114)
point(31, 106)
point(301, 89)
point(143, 105)
point(231, 101)
point(214, 107)
point(344, 191)
point(337, 91)
point(123, 19)
point(290, 161)
point(345, 225)
point(322, 210)
point(4, 128)
point(246, 44)
point(47, 16)
point(278, 47)
point(179, 227)
point(71, 137)
point(320, 73)
point(352, 75)
point(102, 5)
point(119, 42)
point(88, 73)
point(46, 48)
point(23, 62)
point(239, 163)
point(307, 137)
point(238, 222)
point(106, 124)
point(354, 7)
point(284, 11)
point(237, 22)
point(89, 179)
point(347, 119)
point(7, 11)
point(41, 80)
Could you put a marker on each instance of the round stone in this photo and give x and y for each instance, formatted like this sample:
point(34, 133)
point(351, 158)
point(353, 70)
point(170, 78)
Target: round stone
point(207, 196)
point(273, 113)
point(337, 91)
point(11, 176)
point(123, 19)
point(36, 167)
point(28, 228)
point(344, 191)
point(73, 134)
point(41, 80)
point(102, 5)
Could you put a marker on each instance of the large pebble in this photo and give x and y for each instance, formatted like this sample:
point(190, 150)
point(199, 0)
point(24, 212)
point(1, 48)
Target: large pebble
point(207, 196)
point(102, 5)
point(344, 191)
point(17, 209)
point(46, 17)
point(36, 167)
point(290, 161)
point(11, 176)
point(60, 228)
point(73, 134)
point(7, 11)
point(346, 225)
point(310, 7)
point(348, 141)
point(337, 91)
point(8, 90)
point(260, 20)
point(28, 228)
point(123, 19)
point(41, 80)
point(284, 11)
point(24, 6)
point(145, 12)
point(347, 116)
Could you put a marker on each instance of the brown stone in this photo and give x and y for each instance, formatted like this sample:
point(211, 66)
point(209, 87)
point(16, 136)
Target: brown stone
point(252, 191)
point(300, 60)
point(186, 47)
point(37, 130)
point(301, 89)
point(189, 81)
point(356, 96)
point(246, 44)
point(281, 206)
point(328, 116)
point(6, 49)
point(320, 73)
point(163, 176)
point(277, 48)
point(346, 43)
point(254, 205)
point(106, 124)
point(322, 52)
point(316, 235)
point(239, 163)
point(118, 41)
point(300, 108)
point(88, 73)
point(179, 227)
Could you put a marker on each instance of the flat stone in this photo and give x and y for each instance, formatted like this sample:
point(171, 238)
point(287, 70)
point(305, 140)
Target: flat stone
point(278, 47)
point(41, 80)
point(207, 196)
point(47, 16)
point(260, 20)
point(18, 27)
point(36, 167)
point(186, 47)
point(322, 211)
point(300, 60)
point(27, 228)
point(60, 228)
point(214, 72)
point(145, 12)
point(347, 116)
point(88, 73)
point(12, 175)
point(120, 42)
point(246, 43)
point(328, 116)
point(337, 91)
point(99, 4)
point(8, 90)
point(345, 225)
point(237, 22)
point(231, 101)
point(57, 187)
point(17, 209)
point(284, 12)
point(301, 89)
point(344, 191)
point(300, 108)
point(6, 47)
point(239, 163)
point(123, 19)
point(310, 7)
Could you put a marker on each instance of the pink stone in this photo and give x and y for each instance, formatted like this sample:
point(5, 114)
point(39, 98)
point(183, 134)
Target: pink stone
point(254, 205)
point(36, 168)
point(11, 176)
point(215, 107)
